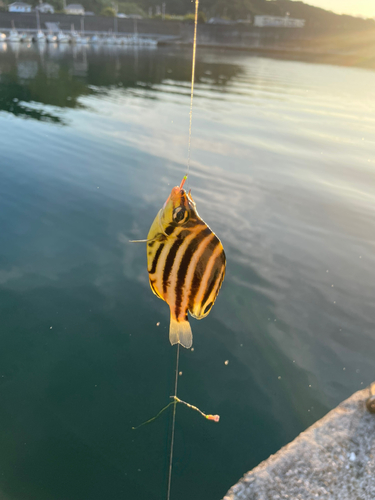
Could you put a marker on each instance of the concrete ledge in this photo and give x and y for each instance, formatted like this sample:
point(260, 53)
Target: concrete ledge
point(332, 460)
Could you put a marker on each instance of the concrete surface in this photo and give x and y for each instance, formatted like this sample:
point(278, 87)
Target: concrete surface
point(334, 459)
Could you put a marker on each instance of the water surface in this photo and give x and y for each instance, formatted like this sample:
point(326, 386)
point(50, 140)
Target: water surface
point(91, 142)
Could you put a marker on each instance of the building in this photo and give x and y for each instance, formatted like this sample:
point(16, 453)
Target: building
point(278, 22)
point(75, 8)
point(19, 7)
point(45, 8)
point(219, 20)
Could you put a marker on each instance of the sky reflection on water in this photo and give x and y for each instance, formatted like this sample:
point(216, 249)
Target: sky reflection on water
point(91, 143)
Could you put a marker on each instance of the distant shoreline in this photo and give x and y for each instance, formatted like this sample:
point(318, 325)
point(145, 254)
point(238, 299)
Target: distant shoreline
point(355, 59)
point(319, 45)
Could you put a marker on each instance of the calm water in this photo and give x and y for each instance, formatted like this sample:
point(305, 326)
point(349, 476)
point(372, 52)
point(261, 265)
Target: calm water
point(91, 143)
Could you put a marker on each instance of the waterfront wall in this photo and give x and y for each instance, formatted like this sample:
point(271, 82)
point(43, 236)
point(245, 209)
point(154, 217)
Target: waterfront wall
point(244, 35)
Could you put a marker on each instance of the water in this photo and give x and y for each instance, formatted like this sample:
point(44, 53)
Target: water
point(91, 143)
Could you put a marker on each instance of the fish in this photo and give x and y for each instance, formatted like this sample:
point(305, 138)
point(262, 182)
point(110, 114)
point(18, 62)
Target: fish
point(186, 263)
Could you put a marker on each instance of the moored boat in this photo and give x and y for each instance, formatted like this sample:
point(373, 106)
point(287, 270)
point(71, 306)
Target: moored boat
point(95, 39)
point(40, 37)
point(26, 38)
point(51, 38)
point(63, 37)
point(74, 36)
point(83, 40)
point(13, 36)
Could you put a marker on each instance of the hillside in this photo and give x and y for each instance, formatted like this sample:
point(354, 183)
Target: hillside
point(242, 9)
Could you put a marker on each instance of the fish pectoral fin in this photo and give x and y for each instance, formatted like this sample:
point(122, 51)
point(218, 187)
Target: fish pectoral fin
point(180, 333)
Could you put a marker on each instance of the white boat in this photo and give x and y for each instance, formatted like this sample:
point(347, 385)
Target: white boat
point(26, 38)
point(74, 37)
point(146, 42)
point(151, 42)
point(51, 38)
point(2, 37)
point(129, 40)
point(95, 39)
point(13, 36)
point(40, 37)
point(110, 40)
point(82, 40)
point(63, 37)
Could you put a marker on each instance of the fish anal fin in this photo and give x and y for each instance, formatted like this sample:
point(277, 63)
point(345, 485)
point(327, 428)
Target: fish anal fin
point(180, 332)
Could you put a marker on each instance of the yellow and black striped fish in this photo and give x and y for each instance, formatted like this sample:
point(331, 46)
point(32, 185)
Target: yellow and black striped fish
point(186, 263)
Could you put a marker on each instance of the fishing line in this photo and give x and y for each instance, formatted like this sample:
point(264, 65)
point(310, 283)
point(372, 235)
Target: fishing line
point(192, 86)
point(215, 418)
point(163, 236)
point(182, 183)
point(173, 425)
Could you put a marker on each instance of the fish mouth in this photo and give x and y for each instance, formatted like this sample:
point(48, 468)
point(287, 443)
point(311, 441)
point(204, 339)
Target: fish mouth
point(177, 193)
point(175, 196)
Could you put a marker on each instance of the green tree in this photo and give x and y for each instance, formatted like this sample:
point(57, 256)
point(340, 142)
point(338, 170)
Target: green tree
point(131, 8)
point(202, 18)
point(190, 18)
point(108, 12)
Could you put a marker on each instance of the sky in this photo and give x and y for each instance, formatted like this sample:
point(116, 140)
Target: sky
point(364, 8)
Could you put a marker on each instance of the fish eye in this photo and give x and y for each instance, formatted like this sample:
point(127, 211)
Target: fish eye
point(179, 214)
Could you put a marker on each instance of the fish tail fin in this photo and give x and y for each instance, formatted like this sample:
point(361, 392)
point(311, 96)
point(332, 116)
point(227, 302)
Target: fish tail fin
point(180, 332)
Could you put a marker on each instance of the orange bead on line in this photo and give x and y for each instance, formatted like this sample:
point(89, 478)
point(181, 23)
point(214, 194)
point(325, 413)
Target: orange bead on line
point(216, 418)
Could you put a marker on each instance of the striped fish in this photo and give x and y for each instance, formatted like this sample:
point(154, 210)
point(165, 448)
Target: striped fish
point(186, 263)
